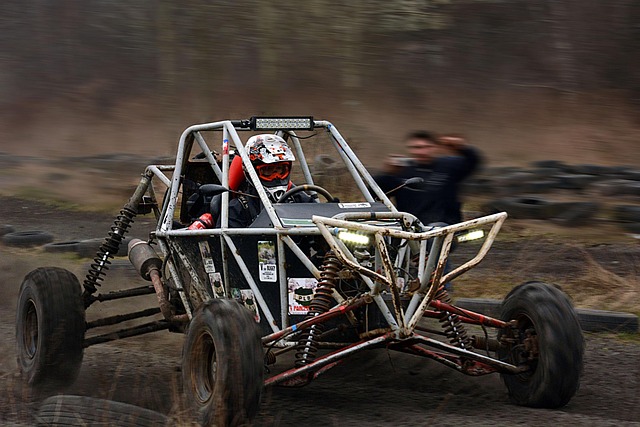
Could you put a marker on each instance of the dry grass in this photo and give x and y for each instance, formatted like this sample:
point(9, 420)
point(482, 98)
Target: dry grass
point(572, 267)
point(601, 288)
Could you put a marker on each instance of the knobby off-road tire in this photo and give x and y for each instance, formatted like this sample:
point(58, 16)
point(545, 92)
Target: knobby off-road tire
point(67, 410)
point(545, 313)
point(222, 364)
point(50, 326)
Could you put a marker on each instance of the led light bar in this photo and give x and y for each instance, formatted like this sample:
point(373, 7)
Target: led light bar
point(471, 235)
point(350, 237)
point(281, 123)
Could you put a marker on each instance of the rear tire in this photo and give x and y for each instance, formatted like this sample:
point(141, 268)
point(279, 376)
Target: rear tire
point(546, 320)
point(222, 364)
point(50, 326)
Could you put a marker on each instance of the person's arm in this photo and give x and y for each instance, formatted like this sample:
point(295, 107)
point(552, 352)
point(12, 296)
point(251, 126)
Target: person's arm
point(472, 160)
point(466, 158)
point(239, 216)
point(394, 172)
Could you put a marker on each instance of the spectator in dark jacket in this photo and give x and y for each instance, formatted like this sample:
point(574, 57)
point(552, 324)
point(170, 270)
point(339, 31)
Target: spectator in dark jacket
point(437, 199)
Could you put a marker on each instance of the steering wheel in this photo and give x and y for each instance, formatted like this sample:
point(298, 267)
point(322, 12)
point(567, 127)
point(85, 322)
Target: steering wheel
point(306, 187)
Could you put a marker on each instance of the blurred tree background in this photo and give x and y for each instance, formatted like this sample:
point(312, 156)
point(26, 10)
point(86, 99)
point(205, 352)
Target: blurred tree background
point(524, 79)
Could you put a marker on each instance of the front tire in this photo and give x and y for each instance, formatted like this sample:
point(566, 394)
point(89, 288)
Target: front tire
point(222, 364)
point(547, 337)
point(50, 326)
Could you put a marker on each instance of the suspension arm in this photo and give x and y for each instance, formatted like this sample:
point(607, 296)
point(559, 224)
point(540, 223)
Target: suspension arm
point(326, 360)
point(466, 366)
point(480, 318)
point(334, 312)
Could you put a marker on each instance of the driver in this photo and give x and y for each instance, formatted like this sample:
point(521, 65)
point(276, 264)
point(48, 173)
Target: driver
point(272, 159)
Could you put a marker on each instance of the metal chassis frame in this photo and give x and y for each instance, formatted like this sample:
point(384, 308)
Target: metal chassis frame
point(400, 334)
point(165, 231)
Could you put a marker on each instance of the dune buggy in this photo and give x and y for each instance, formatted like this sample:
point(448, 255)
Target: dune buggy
point(315, 282)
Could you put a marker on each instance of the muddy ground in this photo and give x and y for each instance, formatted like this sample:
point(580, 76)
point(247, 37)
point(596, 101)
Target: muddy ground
point(376, 388)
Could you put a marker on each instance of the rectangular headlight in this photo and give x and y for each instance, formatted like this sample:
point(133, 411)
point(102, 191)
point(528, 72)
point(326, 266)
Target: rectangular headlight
point(281, 123)
point(470, 235)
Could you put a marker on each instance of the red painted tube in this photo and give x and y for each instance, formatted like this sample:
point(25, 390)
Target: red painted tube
point(484, 320)
point(334, 312)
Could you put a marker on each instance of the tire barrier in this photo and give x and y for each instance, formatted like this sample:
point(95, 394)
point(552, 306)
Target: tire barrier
point(628, 217)
point(627, 213)
point(59, 247)
point(573, 214)
point(68, 410)
point(537, 207)
point(554, 164)
point(25, 239)
point(549, 175)
point(523, 207)
point(617, 187)
point(540, 186)
point(6, 229)
point(631, 227)
point(574, 182)
point(121, 269)
point(89, 247)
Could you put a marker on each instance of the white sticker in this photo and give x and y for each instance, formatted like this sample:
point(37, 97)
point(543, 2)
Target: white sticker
point(301, 292)
point(205, 253)
point(216, 284)
point(267, 268)
point(249, 301)
point(356, 205)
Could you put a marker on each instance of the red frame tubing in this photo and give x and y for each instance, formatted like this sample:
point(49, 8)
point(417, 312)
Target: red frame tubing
point(468, 316)
point(334, 312)
point(304, 374)
point(466, 366)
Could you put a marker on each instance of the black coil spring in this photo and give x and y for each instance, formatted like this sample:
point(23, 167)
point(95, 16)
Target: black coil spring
point(107, 250)
point(451, 324)
point(321, 303)
point(269, 357)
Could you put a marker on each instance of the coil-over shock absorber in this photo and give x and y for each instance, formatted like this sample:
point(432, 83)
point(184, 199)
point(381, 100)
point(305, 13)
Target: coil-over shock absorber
point(107, 250)
point(111, 244)
point(321, 303)
point(451, 323)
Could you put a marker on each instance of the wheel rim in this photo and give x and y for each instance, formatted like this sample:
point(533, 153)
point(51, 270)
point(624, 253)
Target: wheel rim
point(30, 330)
point(203, 373)
point(526, 351)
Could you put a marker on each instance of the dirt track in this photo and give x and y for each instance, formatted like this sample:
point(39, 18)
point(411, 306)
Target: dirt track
point(370, 389)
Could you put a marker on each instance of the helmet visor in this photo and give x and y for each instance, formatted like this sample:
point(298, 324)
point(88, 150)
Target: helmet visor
point(272, 171)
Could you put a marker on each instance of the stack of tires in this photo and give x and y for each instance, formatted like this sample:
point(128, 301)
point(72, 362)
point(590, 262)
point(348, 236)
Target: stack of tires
point(628, 216)
point(86, 248)
point(537, 207)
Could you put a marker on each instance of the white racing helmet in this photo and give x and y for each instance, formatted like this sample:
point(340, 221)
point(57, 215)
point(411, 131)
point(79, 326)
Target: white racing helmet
point(272, 159)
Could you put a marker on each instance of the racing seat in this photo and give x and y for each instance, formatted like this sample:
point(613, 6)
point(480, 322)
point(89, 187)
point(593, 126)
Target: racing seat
point(236, 179)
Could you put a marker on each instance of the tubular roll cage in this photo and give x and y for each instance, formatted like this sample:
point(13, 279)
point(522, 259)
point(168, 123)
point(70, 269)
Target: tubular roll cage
point(402, 322)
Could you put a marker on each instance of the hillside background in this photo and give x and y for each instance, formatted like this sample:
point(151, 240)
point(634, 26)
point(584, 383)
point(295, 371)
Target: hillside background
point(525, 80)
